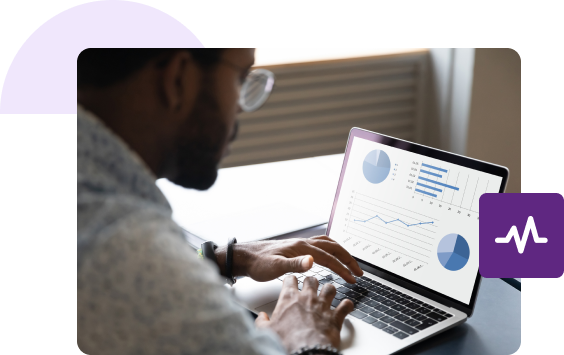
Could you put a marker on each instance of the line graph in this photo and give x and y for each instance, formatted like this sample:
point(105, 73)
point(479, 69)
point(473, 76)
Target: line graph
point(390, 232)
point(522, 241)
point(395, 220)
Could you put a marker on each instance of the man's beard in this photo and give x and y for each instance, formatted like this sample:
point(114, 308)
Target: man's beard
point(201, 143)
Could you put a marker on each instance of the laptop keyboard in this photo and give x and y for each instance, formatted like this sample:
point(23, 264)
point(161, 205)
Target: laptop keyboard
point(377, 304)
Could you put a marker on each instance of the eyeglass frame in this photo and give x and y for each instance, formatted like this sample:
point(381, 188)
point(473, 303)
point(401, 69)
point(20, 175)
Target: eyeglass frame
point(267, 90)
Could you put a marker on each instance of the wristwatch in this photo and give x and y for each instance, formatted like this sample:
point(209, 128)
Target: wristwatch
point(208, 251)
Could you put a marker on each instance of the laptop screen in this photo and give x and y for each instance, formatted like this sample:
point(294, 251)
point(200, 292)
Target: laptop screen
point(411, 214)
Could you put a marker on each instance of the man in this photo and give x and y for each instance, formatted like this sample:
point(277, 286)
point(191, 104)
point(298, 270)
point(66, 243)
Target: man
point(147, 114)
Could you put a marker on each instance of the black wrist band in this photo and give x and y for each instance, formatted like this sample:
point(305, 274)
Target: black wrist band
point(317, 350)
point(229, 262)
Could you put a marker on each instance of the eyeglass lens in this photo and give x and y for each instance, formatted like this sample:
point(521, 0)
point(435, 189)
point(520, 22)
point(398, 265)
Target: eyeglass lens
point(256, 89)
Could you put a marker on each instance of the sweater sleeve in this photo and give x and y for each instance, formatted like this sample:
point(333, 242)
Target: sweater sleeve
point(142, 290)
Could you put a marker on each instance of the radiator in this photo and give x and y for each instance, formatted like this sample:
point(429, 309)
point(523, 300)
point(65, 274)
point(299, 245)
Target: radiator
point(314, 105)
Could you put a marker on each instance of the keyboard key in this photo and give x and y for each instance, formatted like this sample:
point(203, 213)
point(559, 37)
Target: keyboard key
point(369, 320)
point(339, 296)
point(360, 290)
point(308, 273)
point(436, 317)
point(417, 301)
point(442, 313)
point(340, 281)
point(448, 315)
point(358, 314)
point(390, 330)
point(379, 298)
point(386, 287)
point(371, 303)
point(408, 297)
point(392, 313)
point(409, 312)
point(359, 306)
point(370, 293)
point(335, 303)
point(300, 286)
point(388, 303)
point(367, 309)
point(363, 283)
point(412, 305)
point(324, 281)
point(364, 278)
point(318, 277)
point(387, 319)
point(377, 314)
point(373, 288)
point(398, 307)
point(381, 308)
point(404, 327)
point(324, 273)
point(379, 325)
point(419, 317)
point(426, 324)
point(348, 285)
point(424, 310)
point(342, 289)
point(402, 317)
point(393, 297)
point(352, 294)
point(315, 268)
point(400, 335)
point(412, 322)
point(403, 301)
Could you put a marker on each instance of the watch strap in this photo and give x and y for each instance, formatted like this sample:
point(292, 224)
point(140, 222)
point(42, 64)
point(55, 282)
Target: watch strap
point(229, 262)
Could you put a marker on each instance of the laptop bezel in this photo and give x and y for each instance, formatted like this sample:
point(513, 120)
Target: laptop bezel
point(453, 158)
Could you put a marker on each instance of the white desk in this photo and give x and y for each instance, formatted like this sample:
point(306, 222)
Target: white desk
point(258, 201)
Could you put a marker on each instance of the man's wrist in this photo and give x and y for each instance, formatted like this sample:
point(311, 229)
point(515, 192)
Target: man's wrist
point(240, 259)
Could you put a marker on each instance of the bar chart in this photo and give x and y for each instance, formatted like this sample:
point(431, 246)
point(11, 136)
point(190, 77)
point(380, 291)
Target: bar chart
point(449, 185)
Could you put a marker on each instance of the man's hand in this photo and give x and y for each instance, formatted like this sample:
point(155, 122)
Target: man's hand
point(305, 319)
point(267, 260)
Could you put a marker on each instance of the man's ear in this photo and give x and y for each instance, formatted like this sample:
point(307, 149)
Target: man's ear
point(179, 81)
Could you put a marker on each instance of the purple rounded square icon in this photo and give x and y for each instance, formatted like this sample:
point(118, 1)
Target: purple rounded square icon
point(521, 235)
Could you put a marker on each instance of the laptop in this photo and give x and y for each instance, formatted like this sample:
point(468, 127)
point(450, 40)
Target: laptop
point(409, 215)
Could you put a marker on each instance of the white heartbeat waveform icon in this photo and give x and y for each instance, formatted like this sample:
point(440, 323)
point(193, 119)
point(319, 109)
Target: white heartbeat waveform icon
point(520, 242)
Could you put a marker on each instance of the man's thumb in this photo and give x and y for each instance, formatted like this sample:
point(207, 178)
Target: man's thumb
point(301, 263)
point(262, 320)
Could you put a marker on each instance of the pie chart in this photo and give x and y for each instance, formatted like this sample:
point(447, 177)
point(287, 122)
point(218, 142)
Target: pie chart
point(453, 252)
point(376, 166)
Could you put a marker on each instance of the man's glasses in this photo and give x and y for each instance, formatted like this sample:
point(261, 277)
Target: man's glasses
point(256, 89)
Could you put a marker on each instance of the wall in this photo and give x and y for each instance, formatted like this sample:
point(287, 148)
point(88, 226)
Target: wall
point(494, 130)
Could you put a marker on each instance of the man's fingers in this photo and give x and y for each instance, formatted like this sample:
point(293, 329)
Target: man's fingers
point(262, 320)
point(327, 295)
point(338, 251)
point(290, 285)
point(310, 284)
point(344, 308)
point(323, 258)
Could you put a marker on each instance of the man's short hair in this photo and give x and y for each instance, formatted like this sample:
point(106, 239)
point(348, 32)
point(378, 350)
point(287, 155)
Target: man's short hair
point(100, 67)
